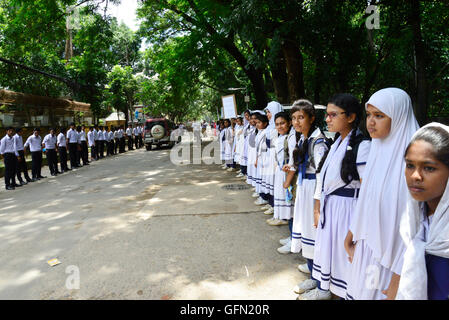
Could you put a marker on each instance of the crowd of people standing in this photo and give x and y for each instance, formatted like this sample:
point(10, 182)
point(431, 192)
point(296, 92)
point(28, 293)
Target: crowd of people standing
point(72, 144)
point(368, 212)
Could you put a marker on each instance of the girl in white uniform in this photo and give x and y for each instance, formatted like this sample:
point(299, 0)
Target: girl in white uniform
point(244, 152)
point(261, 150)
point(340, 175)
point(252, 153)
point(375, 228)
point(228, 143)
point(307, 156)
point(221, 139)
point(283, 210)
point(269, 160)
point(425, 223)
point(238, 140)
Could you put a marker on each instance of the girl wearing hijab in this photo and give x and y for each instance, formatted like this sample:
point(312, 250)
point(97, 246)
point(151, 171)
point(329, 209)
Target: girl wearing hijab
point(247, 127)
point(339, 181)
point(307, 156)
point(269, 157)
point(373, 242)
point(425, 224)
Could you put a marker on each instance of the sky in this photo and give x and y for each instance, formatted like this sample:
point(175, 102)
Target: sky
point(125, 12)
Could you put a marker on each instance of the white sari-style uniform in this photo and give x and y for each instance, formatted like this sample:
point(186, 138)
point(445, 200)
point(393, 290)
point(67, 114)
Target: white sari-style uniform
point(269, 157)
point(379, 249)
point(337, 205)
point(282, 208)
point(252, 154)
point(424, 237)
point(222, 145)
point(247, 130)
point(261, 150)
point(228, 143)
point(303, 232)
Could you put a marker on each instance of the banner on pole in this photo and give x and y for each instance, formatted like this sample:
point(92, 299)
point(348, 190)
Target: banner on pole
point(229, 106)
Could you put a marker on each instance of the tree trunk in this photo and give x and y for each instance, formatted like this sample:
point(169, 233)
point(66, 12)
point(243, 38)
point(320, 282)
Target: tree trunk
point(421, 103)
point(280, 81)
point(295, 71)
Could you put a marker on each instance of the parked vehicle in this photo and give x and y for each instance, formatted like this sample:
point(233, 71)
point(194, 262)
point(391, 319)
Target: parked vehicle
point(158, 132)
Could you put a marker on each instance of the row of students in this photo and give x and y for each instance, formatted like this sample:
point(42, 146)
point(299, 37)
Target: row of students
point(370, 213)
point(73, 143)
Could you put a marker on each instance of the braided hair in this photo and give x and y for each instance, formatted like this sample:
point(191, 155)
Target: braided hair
point(299, 154)
point(350, 105)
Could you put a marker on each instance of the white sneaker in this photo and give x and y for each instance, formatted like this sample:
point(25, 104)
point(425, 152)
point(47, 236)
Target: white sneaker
point(260, 201)
point(230, 169)
point(306, 285)
point(266, 207)
point(240, 171)
point(304, 268)
point(269, 211)
point(284, 241)
point(255, 195)
point(224, 167)
point(315, 294)
point(239, 175)
point(285, 249)
point(277, 222)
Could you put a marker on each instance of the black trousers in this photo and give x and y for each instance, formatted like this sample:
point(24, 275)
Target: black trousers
point(130, 143)
point(140, 141)
point(97, 148)
point(22, 167)
point(122, 145)
point(117, 141)
point(93, 152)
point(36, 165)
point(52, 160)
point(10, 169)
point(84, 152)
point(63, 158)
point(101, 148)
point(72, 152)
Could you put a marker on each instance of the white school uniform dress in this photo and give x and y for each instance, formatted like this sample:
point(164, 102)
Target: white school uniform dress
point(222, 150)
point(383, 198)
point(269, 161)
point(282, 208)
point(303, 232)
point(251, 154)
point(261, 149)
point(247, 129)
point(238, 139)
point(331, 264)
point(228, 142)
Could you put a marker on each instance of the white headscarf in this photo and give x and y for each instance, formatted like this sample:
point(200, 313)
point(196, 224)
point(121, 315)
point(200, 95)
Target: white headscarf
point(413, 283)
point(382, 198)
point(274, 108)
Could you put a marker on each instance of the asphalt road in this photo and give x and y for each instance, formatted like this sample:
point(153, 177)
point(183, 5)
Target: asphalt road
point(137, 226)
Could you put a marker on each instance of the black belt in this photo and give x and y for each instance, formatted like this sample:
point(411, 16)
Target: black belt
point(341, 192)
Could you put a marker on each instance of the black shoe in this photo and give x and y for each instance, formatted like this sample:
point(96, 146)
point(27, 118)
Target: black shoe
point(34, 180)
point(53, 174)
point(28, 179)
point(23, 183)
point(10, 188)
point(17, 185)
point(86, 164)
point(42, 177)
point(58, 172)
point(68, 169)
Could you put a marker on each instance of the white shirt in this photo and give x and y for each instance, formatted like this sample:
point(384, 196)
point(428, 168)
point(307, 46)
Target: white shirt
point(129, 132)
point(95, 134)
point(111, 135)
point(196, 126)
point(91, 138)
point(8, 145)
point(49, 142)
point(82, 135)
point(35, 143)
point(105, 135)
point(72, 136)
point(19, 142)
point(62, 142)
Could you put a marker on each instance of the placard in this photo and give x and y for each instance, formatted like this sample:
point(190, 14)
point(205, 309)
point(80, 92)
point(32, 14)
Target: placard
point(229, 106)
